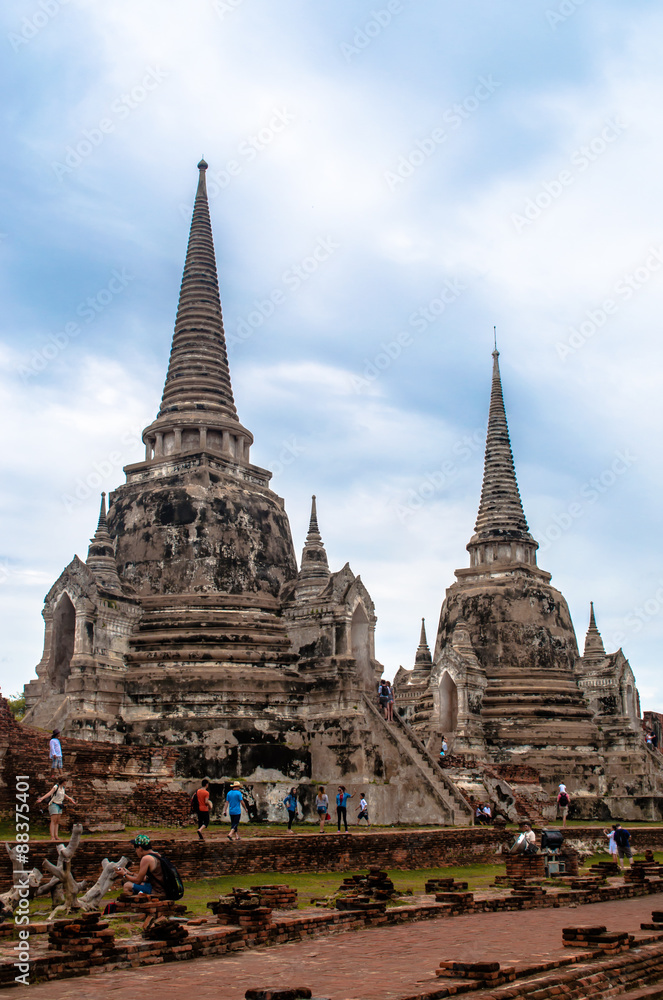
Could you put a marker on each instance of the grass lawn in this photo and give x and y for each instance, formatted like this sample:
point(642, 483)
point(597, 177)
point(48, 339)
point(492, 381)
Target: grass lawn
point(309, 886)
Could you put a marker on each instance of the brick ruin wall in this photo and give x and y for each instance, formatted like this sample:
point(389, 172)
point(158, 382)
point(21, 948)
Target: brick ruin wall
point(111, 783)
point(401, 849)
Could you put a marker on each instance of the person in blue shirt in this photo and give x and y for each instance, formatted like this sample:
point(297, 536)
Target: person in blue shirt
point(233, 806)
point(55, 751)
point(342, 807)
point(290, 802)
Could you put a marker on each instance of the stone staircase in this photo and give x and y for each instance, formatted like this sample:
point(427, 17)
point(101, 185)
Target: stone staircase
point(456, 810)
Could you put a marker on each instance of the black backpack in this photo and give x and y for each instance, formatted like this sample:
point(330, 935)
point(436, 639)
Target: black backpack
point(622, 837)
point(563, 799)
point(172, 882)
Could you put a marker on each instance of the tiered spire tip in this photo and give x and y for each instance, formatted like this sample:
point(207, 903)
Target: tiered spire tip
point(423, 654)
point(594, 651)
point(198, 373)
point(500, 510)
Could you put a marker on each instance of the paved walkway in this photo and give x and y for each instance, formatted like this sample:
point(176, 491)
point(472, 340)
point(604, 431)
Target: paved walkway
point(381, 963)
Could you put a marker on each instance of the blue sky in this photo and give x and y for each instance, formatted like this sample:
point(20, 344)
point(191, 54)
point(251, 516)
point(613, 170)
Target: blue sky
point(464, 165)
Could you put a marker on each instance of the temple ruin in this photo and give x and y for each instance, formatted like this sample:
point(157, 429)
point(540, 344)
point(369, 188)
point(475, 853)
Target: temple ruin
point(190, 626)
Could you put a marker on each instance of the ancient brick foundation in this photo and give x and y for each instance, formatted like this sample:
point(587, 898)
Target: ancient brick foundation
point(114, 784)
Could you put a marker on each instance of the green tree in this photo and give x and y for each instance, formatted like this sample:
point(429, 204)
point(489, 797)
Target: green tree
point(17, 705)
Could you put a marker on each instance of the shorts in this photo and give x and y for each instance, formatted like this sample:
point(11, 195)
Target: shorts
point(563, 811)
point(363, 814)
point(54, 809)
point(142, 887)
point(625, 852)
point(56, 763)
point(234, 820)
point(384, 701)
point(322, 812)
point(203, 818)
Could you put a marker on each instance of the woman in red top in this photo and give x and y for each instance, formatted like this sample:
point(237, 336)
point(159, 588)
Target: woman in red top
point(203, 807)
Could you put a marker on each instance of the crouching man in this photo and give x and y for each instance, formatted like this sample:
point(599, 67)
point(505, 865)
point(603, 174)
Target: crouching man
point(149, 878)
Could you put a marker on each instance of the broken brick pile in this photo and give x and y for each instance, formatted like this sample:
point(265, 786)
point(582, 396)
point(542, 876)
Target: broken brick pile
point(656, 922)
point(605, 869)
point(158, 928)
point(279, 897)
point(85, 938)
point(148, 906)
point(529, 890)
point(445, 885)
point(596, 937)
point(242, 909)
point(376, 884)
point(640, 871)
point(486, 974)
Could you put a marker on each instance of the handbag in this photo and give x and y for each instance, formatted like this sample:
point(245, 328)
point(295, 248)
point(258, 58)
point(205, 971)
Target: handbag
point(327, 816)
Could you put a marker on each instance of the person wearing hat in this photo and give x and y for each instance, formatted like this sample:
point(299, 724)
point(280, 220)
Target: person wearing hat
point(149, 879)
point(55, 751)
point(234, 803)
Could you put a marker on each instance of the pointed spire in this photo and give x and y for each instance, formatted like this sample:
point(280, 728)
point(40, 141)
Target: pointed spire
point(197, 413)
point(594, 648)
point(101, 554)
point(198, 373)
point(314, 573)
point(102, 524)
point(423, 651)
point(501, 532)
point(423, 661)
point(313, 528)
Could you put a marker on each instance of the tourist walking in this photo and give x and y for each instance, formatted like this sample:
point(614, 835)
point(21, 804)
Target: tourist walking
point(342, 807)
point(363, 810)
point(623, 844)
point(202, 803)
point(233, 807)
point(383, 697)
point(563, 802)
point(322, 805)
point(55, 751)
point(444, 747)
point(56, 798)
point(290, 802)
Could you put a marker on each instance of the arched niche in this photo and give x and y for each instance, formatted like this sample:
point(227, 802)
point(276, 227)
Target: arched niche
point(629, 707)
point(360, 641)
point(64, 631)
point(448, 703)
